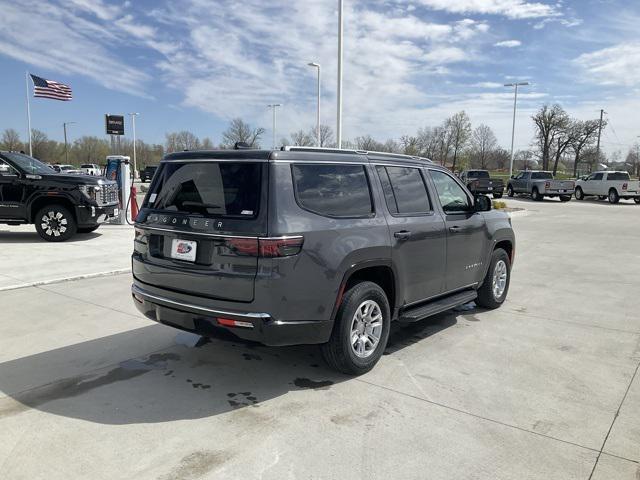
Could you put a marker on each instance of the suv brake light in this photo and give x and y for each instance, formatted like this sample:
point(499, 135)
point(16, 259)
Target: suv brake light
point(266, 247)
point(547, 184)
point(624, 186)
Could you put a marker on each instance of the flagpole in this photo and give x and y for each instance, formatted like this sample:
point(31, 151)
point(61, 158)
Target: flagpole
point(28, 113)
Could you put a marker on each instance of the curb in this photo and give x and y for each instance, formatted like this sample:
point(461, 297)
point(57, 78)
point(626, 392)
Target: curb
point(66, 279)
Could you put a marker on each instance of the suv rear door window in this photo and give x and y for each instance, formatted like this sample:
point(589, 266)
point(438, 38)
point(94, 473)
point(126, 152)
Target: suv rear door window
point(541, 176)
point(333, 190)
point(404, 190)
point(618, 176)
point(220, 189)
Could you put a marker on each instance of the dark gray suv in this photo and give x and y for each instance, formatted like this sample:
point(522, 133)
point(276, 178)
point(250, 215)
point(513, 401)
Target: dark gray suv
point(314, 246)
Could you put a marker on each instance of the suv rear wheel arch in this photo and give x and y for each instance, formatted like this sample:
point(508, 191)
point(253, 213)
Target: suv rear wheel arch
point(379, 272)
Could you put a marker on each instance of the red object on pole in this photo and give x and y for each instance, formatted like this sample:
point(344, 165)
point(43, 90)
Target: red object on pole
point(134, 203)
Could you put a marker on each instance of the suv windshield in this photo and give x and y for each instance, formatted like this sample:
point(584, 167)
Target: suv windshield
point(478, 174)
point(28, 164)
point(230, 189)
point(542, 176)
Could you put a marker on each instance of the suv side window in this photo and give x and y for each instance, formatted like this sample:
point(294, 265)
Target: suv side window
point(404, 190)
point(333, 190)
point(452, 196)
point(597, 176)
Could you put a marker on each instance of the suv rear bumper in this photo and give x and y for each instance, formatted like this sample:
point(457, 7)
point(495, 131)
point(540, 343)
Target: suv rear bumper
point(260, 327)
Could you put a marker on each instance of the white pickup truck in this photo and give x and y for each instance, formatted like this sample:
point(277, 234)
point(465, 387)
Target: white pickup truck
point(607, 184)
point(91, 169)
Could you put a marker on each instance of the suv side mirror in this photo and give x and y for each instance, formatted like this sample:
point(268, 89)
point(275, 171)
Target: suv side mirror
point(482, 204)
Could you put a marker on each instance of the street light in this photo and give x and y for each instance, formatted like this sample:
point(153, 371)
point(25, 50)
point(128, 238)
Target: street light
point(513, 128)
point(133, 125)
point(340, 37)
point(317, 65)
point(274, 106)
point(66, 149)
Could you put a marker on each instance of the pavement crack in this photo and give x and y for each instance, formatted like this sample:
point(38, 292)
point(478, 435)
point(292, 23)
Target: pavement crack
point(615, 417)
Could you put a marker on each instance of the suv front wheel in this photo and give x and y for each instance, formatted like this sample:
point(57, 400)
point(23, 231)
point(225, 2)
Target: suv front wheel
point(361, 330)
point(493, 291)
point(55, 223)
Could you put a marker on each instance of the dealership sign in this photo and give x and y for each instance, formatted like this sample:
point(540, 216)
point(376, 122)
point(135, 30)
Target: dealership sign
point(114, 124)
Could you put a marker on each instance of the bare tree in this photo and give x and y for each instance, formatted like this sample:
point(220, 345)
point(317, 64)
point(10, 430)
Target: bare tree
point(584, 136)
point(90, 150)
point(392, 146)
point(11, 140)
point(206, 144)
point(410, 145)
point(179, 141)
point(550, 123)
point(459, 127)
point(326, 136)
point(302, 139)
point(428, 138)
point(367, 142)
point(500, 158)
point(240, 131)
point(483, 142)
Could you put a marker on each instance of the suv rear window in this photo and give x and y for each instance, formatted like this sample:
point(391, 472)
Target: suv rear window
point(333, 190)
point(618, 176)
point(220, 189)
point(404, 190)
point(478, 174)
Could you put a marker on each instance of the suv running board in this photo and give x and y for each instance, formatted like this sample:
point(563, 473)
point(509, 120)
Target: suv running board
point(437, 306)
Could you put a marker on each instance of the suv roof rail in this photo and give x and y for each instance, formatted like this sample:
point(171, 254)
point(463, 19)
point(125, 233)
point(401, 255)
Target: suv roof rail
point(294, 148)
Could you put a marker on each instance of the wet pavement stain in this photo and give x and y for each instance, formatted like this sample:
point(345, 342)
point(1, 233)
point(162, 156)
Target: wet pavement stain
point(197, 464)
point(247, 401)
point(308, 383)
point(251, 356)
point(76, 386)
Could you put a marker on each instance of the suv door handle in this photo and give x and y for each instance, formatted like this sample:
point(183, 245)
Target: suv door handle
point(402, 234)
point(456, 229)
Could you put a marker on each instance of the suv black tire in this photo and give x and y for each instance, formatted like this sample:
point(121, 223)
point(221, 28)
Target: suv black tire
point(59, 219)
point(613, 196)
point(509, 191)
point(637, 200)
point(88, 229)
point(497, 195)
point(579, 194)
point(486, 296)
point(339, 352)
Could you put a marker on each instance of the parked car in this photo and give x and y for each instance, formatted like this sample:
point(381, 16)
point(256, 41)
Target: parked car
point(479, 182)
point(314, 246)
point(607, 184)
point(58, 205)
point(147, 174)
point(540, 184)
point(68, 169)
point(91, 169)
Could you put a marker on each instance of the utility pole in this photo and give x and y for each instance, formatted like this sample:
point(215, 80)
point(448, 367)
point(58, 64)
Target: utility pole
point(133, 124)
point(602, 112)
point(317, 65)
point(513, 127)
point(66, 150)
point(274, 106)
point(340, 38)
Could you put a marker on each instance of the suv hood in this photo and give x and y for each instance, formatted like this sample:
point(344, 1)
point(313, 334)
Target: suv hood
point(77, 179)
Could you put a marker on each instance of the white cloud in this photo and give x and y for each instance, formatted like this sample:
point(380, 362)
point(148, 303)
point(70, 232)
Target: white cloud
point(488, 85)
point(508, 43)
point(616, 65)
point(515, 9)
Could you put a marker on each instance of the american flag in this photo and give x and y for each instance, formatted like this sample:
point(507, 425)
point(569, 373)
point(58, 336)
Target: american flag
point(50, 89)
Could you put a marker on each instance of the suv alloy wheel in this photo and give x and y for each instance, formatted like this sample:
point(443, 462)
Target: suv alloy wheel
point(493, 291)
point(579, 194)
point(361, 330)
point(55, 223)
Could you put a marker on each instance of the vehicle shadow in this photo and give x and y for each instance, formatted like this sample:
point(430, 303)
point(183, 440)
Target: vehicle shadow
point(588, 200)
point(33, 237)
point(180, 382)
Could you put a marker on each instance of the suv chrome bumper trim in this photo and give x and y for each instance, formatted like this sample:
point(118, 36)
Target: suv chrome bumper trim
point(143, 293)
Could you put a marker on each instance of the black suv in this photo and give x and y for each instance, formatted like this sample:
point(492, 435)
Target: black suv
point(59, 205)
point(147, 174)
point(314, 246)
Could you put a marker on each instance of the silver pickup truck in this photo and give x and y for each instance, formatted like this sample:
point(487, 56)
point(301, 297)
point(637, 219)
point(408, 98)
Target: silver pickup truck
point(540, 184)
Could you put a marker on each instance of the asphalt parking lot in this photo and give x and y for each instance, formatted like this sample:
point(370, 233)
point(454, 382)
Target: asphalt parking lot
point(547, 387)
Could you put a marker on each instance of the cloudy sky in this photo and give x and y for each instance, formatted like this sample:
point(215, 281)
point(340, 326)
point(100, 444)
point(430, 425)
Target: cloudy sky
point(194, 64)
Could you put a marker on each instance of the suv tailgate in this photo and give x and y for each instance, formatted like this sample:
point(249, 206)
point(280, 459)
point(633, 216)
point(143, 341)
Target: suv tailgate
point(199, 227)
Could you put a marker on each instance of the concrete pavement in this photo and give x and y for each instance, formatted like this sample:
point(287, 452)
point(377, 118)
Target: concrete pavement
point(547, 387)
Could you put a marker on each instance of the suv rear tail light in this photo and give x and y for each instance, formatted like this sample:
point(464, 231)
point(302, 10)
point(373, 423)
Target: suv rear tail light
point(547, 184)
point(624, 186)
point(266, 247)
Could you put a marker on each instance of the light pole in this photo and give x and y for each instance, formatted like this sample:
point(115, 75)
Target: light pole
point(274, 106)
point(133, 125)
point(513, 128)
point(340, 37)
point(317, 65)
point(66, 149)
